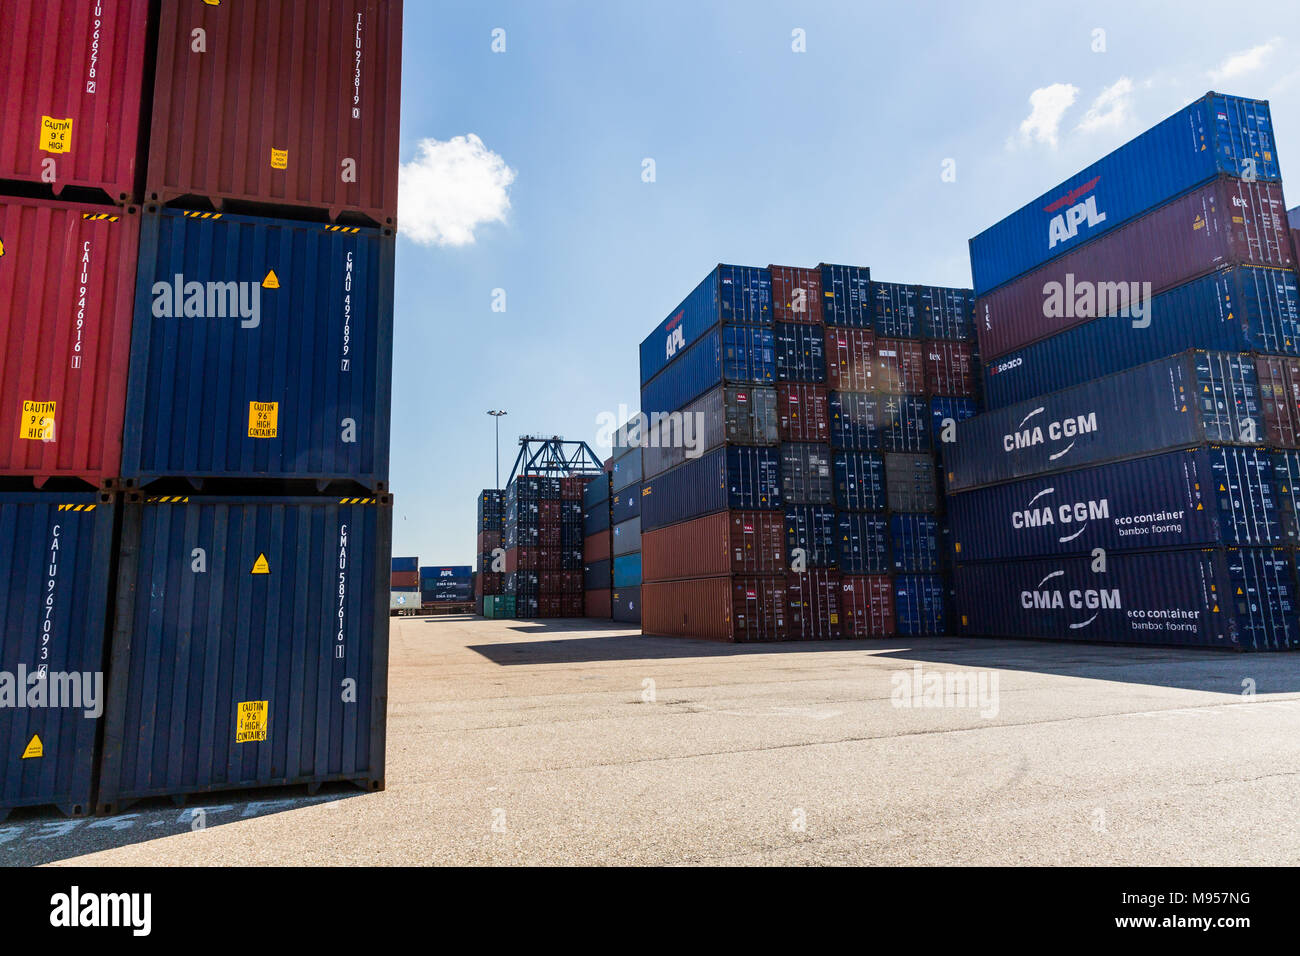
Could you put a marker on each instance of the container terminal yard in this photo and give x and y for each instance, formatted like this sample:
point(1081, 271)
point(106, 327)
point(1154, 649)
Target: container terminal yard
point(828, 513)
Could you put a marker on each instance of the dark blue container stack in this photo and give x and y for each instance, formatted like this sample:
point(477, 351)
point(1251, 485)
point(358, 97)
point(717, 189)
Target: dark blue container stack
point(489, 554)
point(543, 546)
point(1126, 485)
point(625, 524)
point(597, 567)
point(441, 586)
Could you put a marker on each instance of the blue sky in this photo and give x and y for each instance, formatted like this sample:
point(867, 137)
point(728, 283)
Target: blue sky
point(761, 155)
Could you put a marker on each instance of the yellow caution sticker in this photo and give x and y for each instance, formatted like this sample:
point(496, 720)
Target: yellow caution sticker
point(272, 281)
point(56, 135)
point(261, 565)
point(279, 158)
point(36, 423)
point(250, 721)
point(263, 419)
point(34, 748)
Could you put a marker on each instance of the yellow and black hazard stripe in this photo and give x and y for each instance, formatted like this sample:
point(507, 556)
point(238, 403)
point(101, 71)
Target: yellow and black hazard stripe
point(76, 507)
point(351, 230)
point(98, 216)
point(169, 499)
point(356, 501)
point(202, 215)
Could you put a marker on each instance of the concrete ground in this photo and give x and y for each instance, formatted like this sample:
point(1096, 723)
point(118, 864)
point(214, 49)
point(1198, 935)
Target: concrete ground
point(560, 742)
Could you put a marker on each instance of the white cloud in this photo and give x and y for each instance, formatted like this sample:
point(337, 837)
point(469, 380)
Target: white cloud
point(1246, 61)
point(1111, 108)
point(451, 188)
point(1047, 105)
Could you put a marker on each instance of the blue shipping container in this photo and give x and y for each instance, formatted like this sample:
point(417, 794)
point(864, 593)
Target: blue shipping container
point(1206, 496)
point(260, 348)
point(597, 575)
point(56, 556)
point(919, 604)
point(406, 564)
point(846, 296)
point(948, 409)
point(859, 480)
point(626, 537)
point(626, 503)
point(626, 605)
point(1187, 399)
point(914, 542)
point(905, 423)
point(800, 352)
point(595, 491)
point(1241, 599)
point(627, 570)
point(947, 313)
point(730, 295)
point(732, 477)
point(1286, 482)
point(597, 520)
point(1215, 135)
point(250, 646)
point(863, 543)
point(896, 310)
point(814, 531)
point(447, 572)
point(730, 355)
point(1247, 308)
point(627, 471)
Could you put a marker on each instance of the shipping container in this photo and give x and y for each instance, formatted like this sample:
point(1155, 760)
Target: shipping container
point(862, 543)
point(597, 575)
point(406, 580)
point(846, 296)
point(405, 600)
point(626, 537)
point(859, 480)
point(279, 103)
point(1196, 497)
point(896, 310)
point(287, 374)
point(904, 423)
point(919, 608)
point(491, 509)
point(800, 353)
point(626, 504)
point(1214, 135)
point(851, 359)
point(1186, 399)
point(796, 294)
point(950, 369)
point(238, 620)
point(731, 355)
point(867, 605)
point(945, 413)
point(1240, 309)
point(447, 572)
point(946, 313)
point(1279, 397)
point(914, 543)
point(627, 437)
point(597, 604)
point(406, 564)
point(728, 295)
point(66, 285)
point(910, 482)
point(726, 542)
point(1227, 222)
point(1238, 599)
point(802, 414)
point(597, 490)
point(811, 535)
point(900, 366)
point(625, 605)
point(806, 477)
point(627, 470)
point(1286, 484)
point(502, 605)
point(732, 477)
point(595, 547)
point(73, 99)
point(856, 420)
point(740, 415)
point(572, 486)
point(597, 521)
point(627, 571)
point(56, 557)
point(727, 608)
point(813, 600)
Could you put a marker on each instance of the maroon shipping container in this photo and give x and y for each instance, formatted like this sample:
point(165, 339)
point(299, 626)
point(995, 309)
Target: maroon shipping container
point(488, 582)
point(727, 542)
point(850, 360)
point(801, 412)
point(551, 582)
point(900, 366)
point(796, 294)
point(550, 536)
point(279, 102)
point(1226, 222)
point(72, 93)
point(572, 487)
point(571, 605)
point(949, 369)
point(597, 604)
point(867, 605)
point(813, 599)
point(1279, 390)
point(571, 582)
point(488, 541)
point(550, 605)
point(596, 547)
point(548, 512)
point(405, 579)
point(727, 608)
point(67, 282)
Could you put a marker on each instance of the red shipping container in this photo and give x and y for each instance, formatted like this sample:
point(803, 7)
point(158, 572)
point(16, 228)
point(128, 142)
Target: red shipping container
point(279, 102)
point(813, 599)
point(549, 536)
point(72, 93)
point(67, 282)
point(596, 547)
point(550, 582)
point(488, 541)
point(548, 511)
point(571, 605)
point(900, 366)
point(867, 605)
point(850, 360)
point(597, 604)
point(549, 559)
point(801, 412)
point(1226, 222)
point(949, 369)
point(1279, 392)
point(796, 294)
point(727, 542)
point(550, 605)
point(571, 582)
point(571, 488)
point(405, 579)
point(489, 582)
point(723, 608)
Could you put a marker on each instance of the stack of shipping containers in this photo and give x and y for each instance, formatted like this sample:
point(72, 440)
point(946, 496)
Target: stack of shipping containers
point(489, 581)
point(202, 420)
point(625, 524)
point(446, 586)
point(543, 541)
point(404, 585)
point(1140, 325)
point(597, 567)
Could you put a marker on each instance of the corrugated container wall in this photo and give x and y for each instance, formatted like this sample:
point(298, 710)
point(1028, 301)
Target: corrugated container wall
point(280, 103)
point(73, 74)
point(231, 671)
point(66, 287)
point(261, 348)
point(55, 580)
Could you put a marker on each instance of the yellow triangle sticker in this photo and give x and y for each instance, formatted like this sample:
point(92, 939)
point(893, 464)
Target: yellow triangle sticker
point(1200, 507)
point(1221, 488)
point(34, 748)
point(1216, 609)
point(1238, 590)
point(260, 566)
point(272, 281)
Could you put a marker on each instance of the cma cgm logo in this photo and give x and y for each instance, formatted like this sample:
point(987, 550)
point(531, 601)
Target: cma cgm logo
point(1070, 517)
point(1034, 431)
point(676, 339)
point(1096, 600)
point(1065, 225)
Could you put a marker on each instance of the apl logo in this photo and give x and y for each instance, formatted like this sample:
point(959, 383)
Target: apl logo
point(1067, 515)
point(676, 338)
point(1066, 225)
point(1029, 433)
point(1096, 600)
